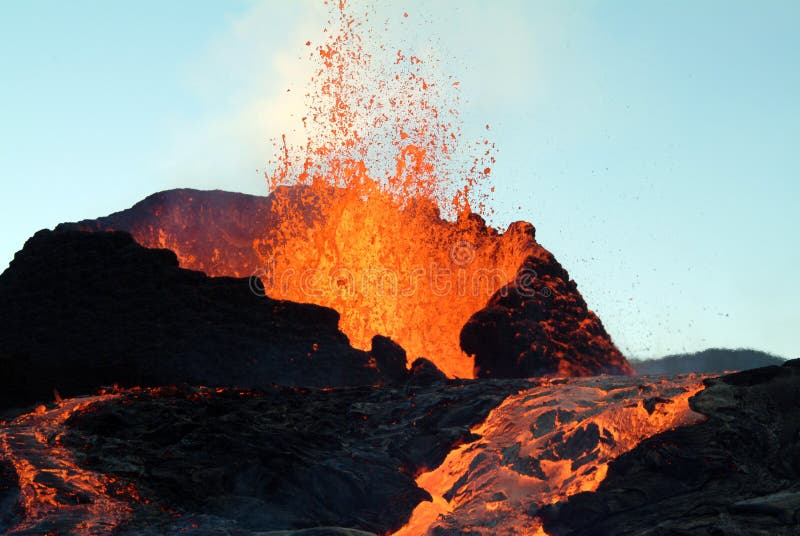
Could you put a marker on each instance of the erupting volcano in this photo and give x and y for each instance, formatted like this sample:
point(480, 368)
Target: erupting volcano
point(379, 359)
point(374, 217)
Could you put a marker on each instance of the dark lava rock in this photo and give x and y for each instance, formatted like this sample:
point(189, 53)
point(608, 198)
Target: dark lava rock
point(390, 358)
point(187, 220)
point(539, 324)
point(9, 496)
point(280, 458)
point(737, 473)
point(83, 310)
point(423, 371)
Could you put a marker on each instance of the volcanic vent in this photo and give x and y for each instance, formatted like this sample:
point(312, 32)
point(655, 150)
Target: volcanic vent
point(407, 274)
point(376, 213)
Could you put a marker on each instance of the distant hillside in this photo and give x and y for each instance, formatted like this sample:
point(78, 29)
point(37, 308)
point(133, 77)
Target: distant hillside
point(711, 360)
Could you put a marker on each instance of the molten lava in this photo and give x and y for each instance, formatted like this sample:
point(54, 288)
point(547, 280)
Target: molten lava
point(404, 273)
point(543, 445)
point(540, 446)
point(58, 494)
point(377, 214)
point(377, 170)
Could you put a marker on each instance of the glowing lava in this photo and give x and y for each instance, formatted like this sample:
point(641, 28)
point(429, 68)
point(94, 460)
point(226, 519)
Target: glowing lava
point(58, 496)
point(379, 166)
point(540, 446)
point(543, 445)
point(403, 273)
point(377, 214)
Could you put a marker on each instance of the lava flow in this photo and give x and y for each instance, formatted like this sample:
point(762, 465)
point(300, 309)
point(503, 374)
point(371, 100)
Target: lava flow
point(539, 446)
point(543, 445)
point(57, 495)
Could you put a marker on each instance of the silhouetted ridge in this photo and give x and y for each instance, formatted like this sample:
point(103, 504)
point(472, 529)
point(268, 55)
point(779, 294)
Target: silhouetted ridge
point(711, 360)
point(537, 324)
point(81, 310)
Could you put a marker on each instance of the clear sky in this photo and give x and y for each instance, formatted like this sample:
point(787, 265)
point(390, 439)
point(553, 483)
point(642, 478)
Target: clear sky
point(654, 145)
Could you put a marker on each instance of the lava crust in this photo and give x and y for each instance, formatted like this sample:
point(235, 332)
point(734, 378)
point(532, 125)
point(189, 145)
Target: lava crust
point(736, 473)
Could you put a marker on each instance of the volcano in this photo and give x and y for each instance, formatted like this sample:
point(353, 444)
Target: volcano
point(358, 353)
point(476, 302)
point(300, 432)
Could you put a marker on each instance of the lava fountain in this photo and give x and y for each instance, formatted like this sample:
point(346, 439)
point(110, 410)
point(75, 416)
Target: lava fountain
point(384, 224)
point(378, 170)
point(379, 214)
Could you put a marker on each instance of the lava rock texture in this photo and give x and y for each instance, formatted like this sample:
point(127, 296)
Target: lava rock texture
point(83, 310)
point(281, 458)
point(737, 473)
point(539, 324)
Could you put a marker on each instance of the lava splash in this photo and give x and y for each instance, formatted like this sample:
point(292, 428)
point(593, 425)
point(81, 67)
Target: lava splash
point(380, 165)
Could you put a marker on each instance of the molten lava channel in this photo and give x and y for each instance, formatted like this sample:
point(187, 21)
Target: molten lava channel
point(540, 446)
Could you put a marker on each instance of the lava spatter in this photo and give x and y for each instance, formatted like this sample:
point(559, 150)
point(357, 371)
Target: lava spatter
point(380, 166)
point(379, 213)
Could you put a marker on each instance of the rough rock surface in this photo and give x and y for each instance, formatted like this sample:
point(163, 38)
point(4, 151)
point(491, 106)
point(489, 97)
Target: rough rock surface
point(9, 495)
point(539, 324)
point(281, 458)
point(737, 473)
point(424, 372)
point(82, 310)
point(536, 324)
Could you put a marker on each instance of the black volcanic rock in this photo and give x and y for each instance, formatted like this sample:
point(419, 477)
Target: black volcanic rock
point(539, 324)
point(423, 371)
point(280, 458)
point(82, 310)
point(9, 495)
point(390, 358)
point(737, 473)
point(711, 360)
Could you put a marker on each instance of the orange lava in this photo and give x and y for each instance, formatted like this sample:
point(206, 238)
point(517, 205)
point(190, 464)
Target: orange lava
point(57, 494)
point(377, 213)
point(404, 273)
point(381, 165)
point(540, 446)
point(543, 445)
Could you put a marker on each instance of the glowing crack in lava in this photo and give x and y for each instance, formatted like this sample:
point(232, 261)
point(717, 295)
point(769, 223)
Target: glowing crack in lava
point(543, 445)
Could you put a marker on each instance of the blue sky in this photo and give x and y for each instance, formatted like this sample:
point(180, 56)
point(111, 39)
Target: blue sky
point(654, 145)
